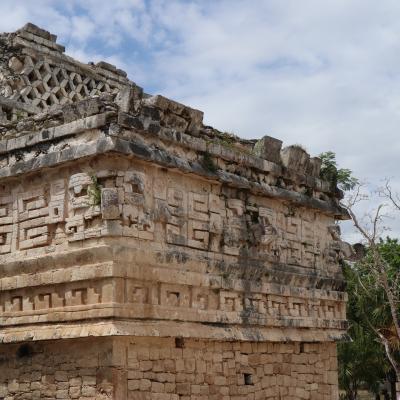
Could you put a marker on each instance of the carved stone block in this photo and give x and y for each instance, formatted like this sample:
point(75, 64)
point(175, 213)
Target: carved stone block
point(109, 203)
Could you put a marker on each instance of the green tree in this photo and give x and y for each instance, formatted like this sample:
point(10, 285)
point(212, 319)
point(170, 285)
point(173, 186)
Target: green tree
point(341, 177)
point(378, 295)
point(379, 277)
point(362, 360)
point(378, 274)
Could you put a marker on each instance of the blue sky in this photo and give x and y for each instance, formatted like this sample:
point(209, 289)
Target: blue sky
point(321, 73)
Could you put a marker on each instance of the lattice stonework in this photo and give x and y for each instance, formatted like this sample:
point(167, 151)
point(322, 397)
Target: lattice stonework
point(46, 84)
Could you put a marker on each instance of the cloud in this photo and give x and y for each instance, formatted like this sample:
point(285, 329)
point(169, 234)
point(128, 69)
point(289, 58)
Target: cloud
point(82, 28)
point(323, 74)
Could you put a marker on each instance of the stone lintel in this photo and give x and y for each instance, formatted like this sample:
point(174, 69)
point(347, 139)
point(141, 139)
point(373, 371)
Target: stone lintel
point(170, 329)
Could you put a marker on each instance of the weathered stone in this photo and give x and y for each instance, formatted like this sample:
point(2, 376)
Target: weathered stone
point(128, 98)
point(110, 203)
point(295, 158)
point(268, 148)
point(35, 30)
point(176, 113)
point(314, 167)
point(144, 255)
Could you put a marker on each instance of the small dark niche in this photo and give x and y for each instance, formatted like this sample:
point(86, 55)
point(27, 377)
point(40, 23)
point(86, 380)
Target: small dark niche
point(179, 342)
point(24, 351)
point(302, 347)
point(248, 379)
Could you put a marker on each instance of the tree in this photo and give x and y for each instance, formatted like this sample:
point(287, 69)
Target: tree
point(377, 288)
point(378, 274)
point(341, 177)
point(363, 362)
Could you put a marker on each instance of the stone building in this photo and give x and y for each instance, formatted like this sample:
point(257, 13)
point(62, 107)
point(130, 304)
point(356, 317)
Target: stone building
point(144, 255)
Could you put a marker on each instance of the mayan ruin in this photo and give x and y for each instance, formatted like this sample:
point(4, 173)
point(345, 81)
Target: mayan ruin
point(147, 256)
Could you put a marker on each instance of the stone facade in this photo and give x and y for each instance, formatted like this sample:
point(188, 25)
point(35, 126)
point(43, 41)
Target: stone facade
point(144, 255)
point(161, 368)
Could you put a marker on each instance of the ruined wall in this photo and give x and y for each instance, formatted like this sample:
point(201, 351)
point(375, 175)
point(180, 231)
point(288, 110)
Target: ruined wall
point(169, 369)
point(145, 255)
point(77, 370)
point(36, 75)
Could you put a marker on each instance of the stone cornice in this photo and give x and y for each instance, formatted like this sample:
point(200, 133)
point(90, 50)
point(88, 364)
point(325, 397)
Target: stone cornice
point(112, 135)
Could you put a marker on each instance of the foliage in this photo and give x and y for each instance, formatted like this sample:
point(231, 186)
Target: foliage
point(230, 141)
point(19, 115)
point(372, 301)
point(374, 350)
point(228, 137)
point(208, 163)
point(330, 172)
point(94, 191)
point(362, 360)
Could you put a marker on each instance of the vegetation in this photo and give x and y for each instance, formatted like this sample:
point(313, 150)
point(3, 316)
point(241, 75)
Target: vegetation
point(363, 362)
point(19, 115)
point(372, 356)
point(208, 163)
point(228, 138)
point(230, 141)
point(341, 177)
point(94, 192)
point(378, 275)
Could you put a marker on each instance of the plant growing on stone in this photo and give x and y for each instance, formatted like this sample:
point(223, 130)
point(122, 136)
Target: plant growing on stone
point(94, 191)
point(208, 163)
point(19, 115)
point(341, 177)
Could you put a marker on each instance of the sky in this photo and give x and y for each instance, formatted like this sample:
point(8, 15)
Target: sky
point(324, 74)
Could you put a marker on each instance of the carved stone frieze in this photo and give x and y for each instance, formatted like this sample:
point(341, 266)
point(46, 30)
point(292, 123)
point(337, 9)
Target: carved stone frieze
point(127, 221)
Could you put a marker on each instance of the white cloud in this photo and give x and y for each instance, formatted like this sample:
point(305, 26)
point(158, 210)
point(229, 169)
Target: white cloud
point(82, 28)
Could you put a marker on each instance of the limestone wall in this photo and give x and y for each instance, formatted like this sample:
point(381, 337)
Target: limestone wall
point(45, 370)
point(168, 369)
point(231, 371)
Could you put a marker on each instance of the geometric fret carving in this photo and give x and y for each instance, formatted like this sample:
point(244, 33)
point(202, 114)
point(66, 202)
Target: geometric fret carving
point(124, 203)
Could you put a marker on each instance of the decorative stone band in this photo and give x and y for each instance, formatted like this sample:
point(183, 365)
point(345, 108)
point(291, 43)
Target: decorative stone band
point(143, 205)
point(109, 290)
point(146, 300)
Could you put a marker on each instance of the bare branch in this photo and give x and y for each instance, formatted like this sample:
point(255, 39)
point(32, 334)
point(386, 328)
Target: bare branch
point(387, 192)
point(376, 220)
point(378, 268)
